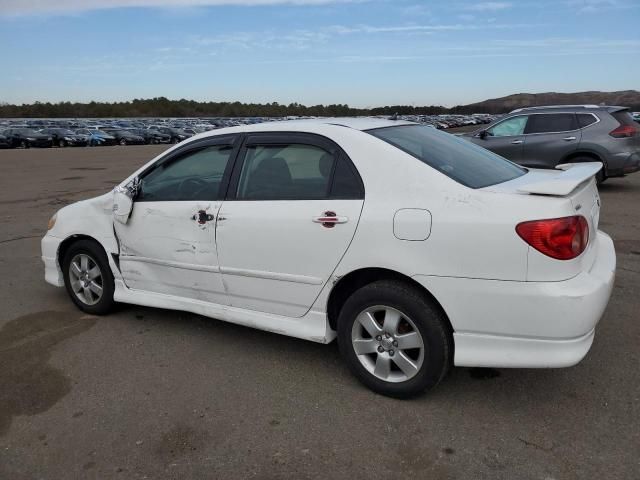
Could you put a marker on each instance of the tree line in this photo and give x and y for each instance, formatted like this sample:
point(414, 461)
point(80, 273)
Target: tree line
point(163, 107)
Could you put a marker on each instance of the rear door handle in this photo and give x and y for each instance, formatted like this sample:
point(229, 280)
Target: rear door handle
point(517, 142)
point(568, 139)
point(329, 219)
point(202, 217)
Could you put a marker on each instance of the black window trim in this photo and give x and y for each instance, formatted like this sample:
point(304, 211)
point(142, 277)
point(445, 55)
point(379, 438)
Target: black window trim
point(231, 140)
point(288, 138)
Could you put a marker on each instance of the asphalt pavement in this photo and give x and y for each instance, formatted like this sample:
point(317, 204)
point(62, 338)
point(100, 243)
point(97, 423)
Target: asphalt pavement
point(150, 393)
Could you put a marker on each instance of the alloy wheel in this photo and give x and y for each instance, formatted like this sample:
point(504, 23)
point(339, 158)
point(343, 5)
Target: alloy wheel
point(388, 344)
point(86, 279)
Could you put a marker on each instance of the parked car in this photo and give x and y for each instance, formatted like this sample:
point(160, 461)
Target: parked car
point(97, 137)
point(151, 136)
point(125, 137)
point(4, 141)
point(544, 137)
point(26, 138)
point(64, 137)
point(280, 226)
point(176, 134)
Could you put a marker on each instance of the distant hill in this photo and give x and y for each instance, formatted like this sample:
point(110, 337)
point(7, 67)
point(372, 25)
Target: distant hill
point(627, 98)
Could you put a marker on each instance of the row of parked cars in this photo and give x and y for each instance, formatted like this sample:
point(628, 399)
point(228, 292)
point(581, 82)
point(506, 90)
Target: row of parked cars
point(100, 132)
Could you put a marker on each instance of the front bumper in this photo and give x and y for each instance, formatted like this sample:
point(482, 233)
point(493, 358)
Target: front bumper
point(52, 272)
point(526, 324)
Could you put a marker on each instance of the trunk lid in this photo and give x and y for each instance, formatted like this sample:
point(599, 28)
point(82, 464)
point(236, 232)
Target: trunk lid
point(574, 187)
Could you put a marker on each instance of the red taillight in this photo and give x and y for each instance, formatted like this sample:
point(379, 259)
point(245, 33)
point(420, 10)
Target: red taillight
point(561, 238)
point(624, 131)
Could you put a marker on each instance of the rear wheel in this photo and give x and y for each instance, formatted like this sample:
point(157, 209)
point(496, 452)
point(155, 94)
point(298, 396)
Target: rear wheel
point(62, 143)
point(23, 144)
point(394, 340)
point(88, 278)
point(123, 142)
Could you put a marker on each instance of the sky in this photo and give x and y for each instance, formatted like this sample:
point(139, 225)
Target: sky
point(361, 52)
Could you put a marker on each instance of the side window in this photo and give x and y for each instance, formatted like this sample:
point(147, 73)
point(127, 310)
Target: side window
point(197, 175)
point(346, 183)
point(551, 122)
point(285, 172)
point(508, 128)
point(585, 119)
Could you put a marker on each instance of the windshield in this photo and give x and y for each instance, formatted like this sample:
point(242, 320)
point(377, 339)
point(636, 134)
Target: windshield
point(458, 159)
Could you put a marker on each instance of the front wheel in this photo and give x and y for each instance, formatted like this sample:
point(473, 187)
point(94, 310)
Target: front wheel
point(394, 339)
point(123, 142)
point(88, 278)
point(62, 143)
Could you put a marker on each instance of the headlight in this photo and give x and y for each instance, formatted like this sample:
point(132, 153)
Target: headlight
point(52, 221)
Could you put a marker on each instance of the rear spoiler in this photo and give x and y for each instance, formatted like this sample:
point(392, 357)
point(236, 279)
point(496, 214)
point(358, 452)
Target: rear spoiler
point(565, 182)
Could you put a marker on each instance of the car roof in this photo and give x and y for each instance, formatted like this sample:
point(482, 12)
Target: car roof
point(572, 108)
point(357, 123)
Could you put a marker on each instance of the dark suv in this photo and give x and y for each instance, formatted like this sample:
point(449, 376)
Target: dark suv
point(543, 137)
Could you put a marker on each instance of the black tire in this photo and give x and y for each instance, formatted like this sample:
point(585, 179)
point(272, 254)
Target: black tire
point(99, 257)
point(23, 144)
point(122, 142)
point(62, 143)
point(430, 322)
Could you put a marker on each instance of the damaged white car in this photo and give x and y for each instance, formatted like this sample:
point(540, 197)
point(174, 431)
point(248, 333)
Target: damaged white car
point(416, 249)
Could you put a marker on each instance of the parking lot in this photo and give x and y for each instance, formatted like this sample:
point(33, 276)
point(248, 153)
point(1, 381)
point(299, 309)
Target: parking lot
point(148, 393)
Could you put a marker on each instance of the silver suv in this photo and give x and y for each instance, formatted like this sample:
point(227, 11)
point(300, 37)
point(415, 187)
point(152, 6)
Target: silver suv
point(543, 137)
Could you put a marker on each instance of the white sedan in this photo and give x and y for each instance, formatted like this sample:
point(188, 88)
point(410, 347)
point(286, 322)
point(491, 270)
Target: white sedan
point(416, 249)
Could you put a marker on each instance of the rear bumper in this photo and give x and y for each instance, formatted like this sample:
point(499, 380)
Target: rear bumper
point(526, 324)
point(52, 272)
point(623, 164)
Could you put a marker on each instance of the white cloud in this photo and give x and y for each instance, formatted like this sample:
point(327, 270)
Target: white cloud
point(27, 7)
point(489, 6)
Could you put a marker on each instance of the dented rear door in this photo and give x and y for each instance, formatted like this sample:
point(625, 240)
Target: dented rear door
point(168, 244)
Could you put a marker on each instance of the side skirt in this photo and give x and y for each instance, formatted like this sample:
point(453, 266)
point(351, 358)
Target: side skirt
point(313, 326)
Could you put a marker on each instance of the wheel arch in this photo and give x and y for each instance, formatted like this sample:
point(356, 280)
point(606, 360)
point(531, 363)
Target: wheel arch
point(356, 279)
point(585, 153)
point(70, 240)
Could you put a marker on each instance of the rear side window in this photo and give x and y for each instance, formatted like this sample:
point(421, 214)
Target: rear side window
point(585, 119)
point(551, 122)
point(458, 159)
point(285, 172)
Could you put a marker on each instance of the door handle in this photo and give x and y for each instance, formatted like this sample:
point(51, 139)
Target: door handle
point(202, 217)
point(517, 142)
point(568, 139)
point(329, 219)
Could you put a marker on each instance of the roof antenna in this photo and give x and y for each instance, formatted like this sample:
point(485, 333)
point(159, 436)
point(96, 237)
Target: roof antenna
point(394, 116)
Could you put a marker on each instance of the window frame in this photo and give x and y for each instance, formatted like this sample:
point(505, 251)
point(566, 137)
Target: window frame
point(290, 138)
point(230, 140)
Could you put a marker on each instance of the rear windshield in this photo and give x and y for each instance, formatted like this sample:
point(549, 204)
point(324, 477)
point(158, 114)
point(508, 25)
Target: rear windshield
point(459, 159)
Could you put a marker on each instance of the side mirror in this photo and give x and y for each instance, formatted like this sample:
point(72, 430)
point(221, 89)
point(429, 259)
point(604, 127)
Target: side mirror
point(123, 198)
point(483, 134)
